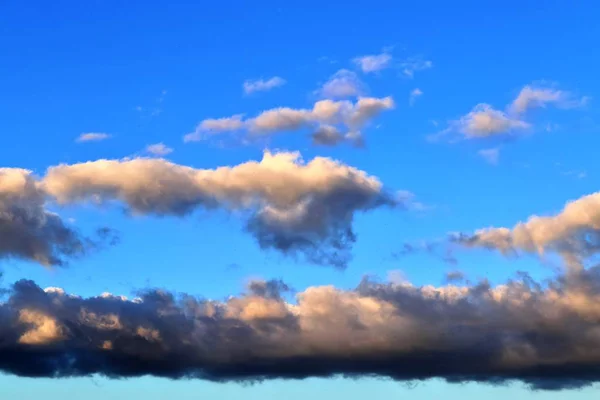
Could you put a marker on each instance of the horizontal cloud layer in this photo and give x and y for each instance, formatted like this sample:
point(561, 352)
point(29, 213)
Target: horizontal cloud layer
point(543, 335)
point(343, 114)
point(294, 207)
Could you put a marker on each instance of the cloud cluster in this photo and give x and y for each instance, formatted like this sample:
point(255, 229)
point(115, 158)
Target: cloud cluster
point(545, 335)
point(291, 206)
point(344, 115)
point(28, 231)
point(484, 121)
point(262, 85)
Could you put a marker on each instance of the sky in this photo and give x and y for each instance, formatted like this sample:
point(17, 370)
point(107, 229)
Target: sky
point(308, 190)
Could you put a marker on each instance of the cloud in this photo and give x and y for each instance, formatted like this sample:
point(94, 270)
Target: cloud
point(484, 121)
point(412, 65)
point(373, 63)
point(342, 84)
point(539, 97)
point(261, 85)
point(343, 115)
point(544, 335)
point(455, 276)
point(431, 248)
point(492, 156)
point(327, 135)
point(212, 126)
point(159, 149)
point(92, 137)
point(28, 231)
point(574, 233)
point(296, 208)
point(414, 94)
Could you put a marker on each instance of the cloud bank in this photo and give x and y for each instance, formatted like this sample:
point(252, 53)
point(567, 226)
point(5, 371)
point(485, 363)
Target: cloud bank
point(545, 335)
point(294, 207)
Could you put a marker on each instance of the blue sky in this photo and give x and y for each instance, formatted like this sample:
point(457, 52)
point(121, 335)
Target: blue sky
point(151, 72)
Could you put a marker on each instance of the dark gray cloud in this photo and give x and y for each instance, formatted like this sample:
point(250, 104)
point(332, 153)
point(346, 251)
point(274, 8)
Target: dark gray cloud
point(545, 335)
point(455, 276)
point(28, 231)
point(437, 249)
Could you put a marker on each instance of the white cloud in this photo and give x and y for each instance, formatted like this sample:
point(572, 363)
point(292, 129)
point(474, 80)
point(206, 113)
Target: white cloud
point(342, 114)
point(159, 149)
point(211, 125)
point(414, 94)
point(484, 121)
point(261, 85)
point(92, 137)
point(412, 65)
point(342, 84)
point(538, 97)
point(573, 233)
point(373, 63)
point(492, 156)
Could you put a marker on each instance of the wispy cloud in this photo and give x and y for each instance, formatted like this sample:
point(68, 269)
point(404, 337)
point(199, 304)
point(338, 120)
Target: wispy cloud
point(415, 64)
point(539, 97)
point(414, 95)
point(215, 125)
point(342, 84)
point(374, 62)
point(492, 156)
point(159, 149)
point(262, 85)
point(92, 137)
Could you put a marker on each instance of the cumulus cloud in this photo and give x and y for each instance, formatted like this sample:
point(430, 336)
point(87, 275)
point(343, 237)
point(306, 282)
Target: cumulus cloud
point(28, 231)
point(262, 85)
point(414, 95)
point(294, 207)
point(373, 63)
point(542, 334)
point(344, 115)
point(574, 233)
point(342, 84)
point(92, 137)
point(159, 149)
point(484, 121)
